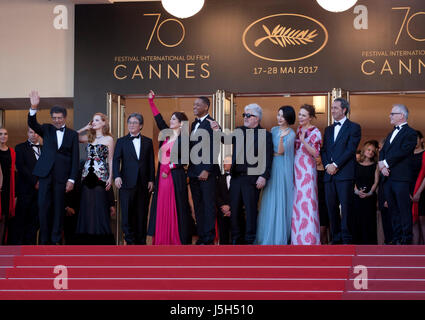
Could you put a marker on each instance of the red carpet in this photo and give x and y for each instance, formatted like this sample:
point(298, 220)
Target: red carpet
point(212, 272)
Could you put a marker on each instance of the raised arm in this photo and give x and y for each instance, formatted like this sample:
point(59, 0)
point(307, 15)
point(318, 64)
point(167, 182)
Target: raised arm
point(32, 118)
point(82, 137)
point(160, 123)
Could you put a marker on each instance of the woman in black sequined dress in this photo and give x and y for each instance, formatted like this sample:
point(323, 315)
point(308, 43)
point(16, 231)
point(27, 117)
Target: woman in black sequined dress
point(94, 217)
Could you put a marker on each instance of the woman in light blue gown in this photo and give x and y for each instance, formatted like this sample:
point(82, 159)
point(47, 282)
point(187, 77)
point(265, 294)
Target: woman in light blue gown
point(274, 219)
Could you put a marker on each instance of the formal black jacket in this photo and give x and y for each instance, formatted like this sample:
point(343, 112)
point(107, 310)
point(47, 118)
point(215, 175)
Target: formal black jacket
point(239, 169)
point(342, 151)
point(25, 163)
point(64, 161)
point(222, 192)
point(212, 167)
point(399, 153)
point(126, 165)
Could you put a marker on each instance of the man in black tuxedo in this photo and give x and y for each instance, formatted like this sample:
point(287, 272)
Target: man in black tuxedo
point(395, 160)
point(339, 159)
point(203, 171)
point(134, 174)
point(56, 169)
point(26, 219)
point(223, 202)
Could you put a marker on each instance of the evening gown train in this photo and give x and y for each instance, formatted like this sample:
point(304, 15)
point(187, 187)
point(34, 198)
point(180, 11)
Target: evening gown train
point(166, 225)
point(94, 215)
point(274, 219)
point(305, 229)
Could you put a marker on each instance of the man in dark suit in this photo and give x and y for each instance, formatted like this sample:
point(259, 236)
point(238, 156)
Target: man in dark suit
point(202, 171)
point(339, 159)
point(223, 202)
point(26, 219)
point(395, 160)
point(56, 169)
point(134, 174)
point(252, 158)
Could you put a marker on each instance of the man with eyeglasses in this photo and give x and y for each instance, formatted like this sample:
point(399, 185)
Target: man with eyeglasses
point(395, 160)
point(134, 173)
point(56, 169)
point(247, 182)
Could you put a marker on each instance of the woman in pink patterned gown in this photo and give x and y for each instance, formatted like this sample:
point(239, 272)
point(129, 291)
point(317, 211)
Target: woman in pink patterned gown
point(305, 227)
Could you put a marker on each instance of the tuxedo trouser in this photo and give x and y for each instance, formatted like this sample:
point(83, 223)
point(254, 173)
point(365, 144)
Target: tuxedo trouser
point(134, 213)
point(51, 209)
point(399, 205)
point(26, 219)
point(385, 214)
point(203, 196)
point(244, 193)
point(224, 227)
point(340, 193)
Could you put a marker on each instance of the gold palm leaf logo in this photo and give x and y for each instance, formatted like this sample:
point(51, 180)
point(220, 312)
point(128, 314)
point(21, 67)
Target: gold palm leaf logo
point(283, 36)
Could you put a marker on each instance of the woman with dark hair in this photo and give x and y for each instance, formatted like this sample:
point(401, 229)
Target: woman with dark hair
point(170, 219)
point(363, 223)
point(274, 218)
point(94, 216)
point(305, 229)
point(7, 185)
point(417, 187)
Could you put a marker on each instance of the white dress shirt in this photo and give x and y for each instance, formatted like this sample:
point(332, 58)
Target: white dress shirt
point(395, 132)
point(37, 149)
point(338, 128)
point(198, 124)
point(136, 144)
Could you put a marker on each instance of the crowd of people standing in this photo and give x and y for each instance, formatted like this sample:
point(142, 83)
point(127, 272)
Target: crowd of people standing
point(303, 189)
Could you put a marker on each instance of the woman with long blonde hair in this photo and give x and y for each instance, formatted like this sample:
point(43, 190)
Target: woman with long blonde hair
point(94, 216)
point(363, 222)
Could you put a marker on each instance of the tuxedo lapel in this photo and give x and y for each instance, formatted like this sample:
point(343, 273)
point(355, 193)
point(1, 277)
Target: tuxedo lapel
point(66, 137)
point(54, 138)
point(130, 147)
point(331, 135)
point(399, 135)
point(141, 148)
point(343, 130)
point(31, 153)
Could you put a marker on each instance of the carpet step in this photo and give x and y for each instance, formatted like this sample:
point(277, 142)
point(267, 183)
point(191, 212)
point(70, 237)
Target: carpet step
point(206, 271)
point(169, 295)
point(193, 260)
point(242, 284)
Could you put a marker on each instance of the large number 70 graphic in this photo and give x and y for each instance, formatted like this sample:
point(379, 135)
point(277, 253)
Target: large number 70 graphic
point(408, 23)
point(157, 28)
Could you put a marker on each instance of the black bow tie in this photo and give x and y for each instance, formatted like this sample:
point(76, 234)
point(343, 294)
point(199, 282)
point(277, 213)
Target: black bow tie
point(34, 145)
point(60, 129)
point(397, 127)
point(198, 121)
point(336, 123)
point(134, 137)
point(227, 174)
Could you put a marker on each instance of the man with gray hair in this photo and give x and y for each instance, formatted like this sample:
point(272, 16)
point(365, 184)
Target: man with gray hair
point(134, 173)
point(249, 177)
point(394, 163)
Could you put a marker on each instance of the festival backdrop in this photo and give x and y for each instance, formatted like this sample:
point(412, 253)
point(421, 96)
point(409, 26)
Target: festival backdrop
point(247, 46)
